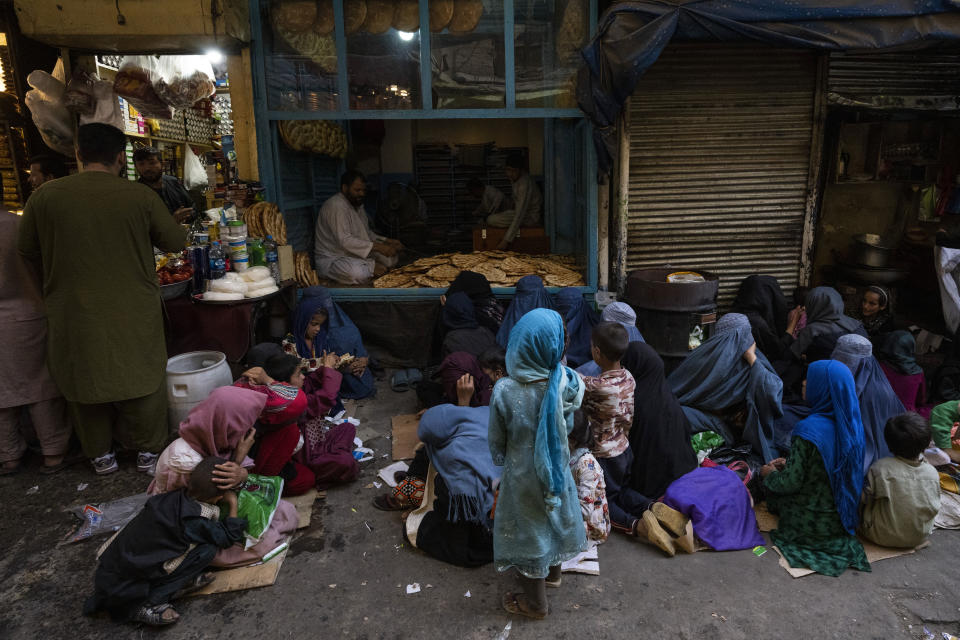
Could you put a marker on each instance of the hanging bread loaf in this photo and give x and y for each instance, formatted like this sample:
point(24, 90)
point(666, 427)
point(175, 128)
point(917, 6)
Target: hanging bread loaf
point(406, 15)
point(296, 16)
point(324, 24)
point(379, 16)
point(441, 11)
point(354, 13)
point(466, 16)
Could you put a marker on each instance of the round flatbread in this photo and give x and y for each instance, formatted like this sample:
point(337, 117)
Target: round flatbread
point(406, 15)
point(568, 279)
point(393, 280)
point(296, 16)
point(490, 272)
point(517, 266)
point(443, 272)
point(430, 283)
point(441, 11)
point(467, 260)
point(354, 14)
point(324, 24)
point(379, 17)
point(466, 16)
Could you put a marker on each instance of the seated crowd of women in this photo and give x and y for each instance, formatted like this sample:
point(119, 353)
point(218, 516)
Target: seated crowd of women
point(517, 463)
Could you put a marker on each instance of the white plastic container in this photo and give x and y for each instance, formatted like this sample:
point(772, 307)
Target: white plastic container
point(190, 379)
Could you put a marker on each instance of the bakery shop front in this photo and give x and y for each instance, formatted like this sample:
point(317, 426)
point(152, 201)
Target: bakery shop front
point(445, 108)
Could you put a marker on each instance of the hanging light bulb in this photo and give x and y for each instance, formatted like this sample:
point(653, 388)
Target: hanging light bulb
point(406, 36)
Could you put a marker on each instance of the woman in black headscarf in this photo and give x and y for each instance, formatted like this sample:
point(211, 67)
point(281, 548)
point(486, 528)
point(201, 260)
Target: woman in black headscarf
point(660, 435)
point(826, 322)
point(487, 310)
point(461, 330)
point(762, 301)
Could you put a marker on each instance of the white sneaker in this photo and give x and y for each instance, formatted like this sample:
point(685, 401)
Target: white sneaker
point(105, 464)
point(147, 462)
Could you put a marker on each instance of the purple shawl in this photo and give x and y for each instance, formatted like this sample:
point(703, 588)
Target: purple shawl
point(718, 504)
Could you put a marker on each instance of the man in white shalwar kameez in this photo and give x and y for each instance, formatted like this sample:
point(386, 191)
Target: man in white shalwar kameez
point(345, 248)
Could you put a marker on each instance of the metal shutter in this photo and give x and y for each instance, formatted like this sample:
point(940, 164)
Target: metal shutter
point(720, 140)
point(922, 80)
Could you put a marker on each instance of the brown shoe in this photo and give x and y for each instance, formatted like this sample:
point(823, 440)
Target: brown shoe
point(671, 519)
point(649, 529)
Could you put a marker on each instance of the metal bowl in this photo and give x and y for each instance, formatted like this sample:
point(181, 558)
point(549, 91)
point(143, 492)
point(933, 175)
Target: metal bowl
point(175, 290)
point(868, 251)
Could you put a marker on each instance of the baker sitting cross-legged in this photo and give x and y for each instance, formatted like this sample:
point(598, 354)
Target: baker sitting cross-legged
point(346, 250)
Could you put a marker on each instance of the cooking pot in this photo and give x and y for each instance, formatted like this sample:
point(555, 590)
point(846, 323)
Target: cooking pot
point(868, 250)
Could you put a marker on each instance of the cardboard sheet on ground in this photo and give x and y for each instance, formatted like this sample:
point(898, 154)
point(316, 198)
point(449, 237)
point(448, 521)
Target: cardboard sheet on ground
point(263, 574)
point(767, 522)
point(874, 552)
point(404, 436)
point(587, 562)
point(304, 505)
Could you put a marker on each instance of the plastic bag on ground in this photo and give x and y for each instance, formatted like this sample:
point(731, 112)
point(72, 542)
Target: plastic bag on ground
point(183, 80)
point(134, 82)
point(106, 517)
point(194, 175)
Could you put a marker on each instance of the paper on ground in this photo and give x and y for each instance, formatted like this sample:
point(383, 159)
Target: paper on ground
point(587, 562)
point(413, 588)
point(386, 474)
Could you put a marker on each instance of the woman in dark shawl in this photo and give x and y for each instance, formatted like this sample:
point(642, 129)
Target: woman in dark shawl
point(487, 309)
point(453, 522)
point(660, 435)
point(530, 294)
point(878, 402)
point(337, 335)
point(455, 366)
point(579, 320)
point(462, 333)
point(762, 301)
point(726, 385)
point(899, 362)
point(825, 323)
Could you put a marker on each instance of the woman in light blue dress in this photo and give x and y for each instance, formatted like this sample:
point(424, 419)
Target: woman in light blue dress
point(537, 525)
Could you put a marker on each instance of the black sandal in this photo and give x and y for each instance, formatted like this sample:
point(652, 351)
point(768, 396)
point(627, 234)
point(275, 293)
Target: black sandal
point(153, 616)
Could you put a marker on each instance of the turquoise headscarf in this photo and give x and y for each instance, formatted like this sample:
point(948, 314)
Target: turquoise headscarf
point(533, 354)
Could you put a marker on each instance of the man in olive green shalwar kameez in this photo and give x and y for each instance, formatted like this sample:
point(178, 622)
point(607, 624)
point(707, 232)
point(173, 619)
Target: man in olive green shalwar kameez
point(93, 234)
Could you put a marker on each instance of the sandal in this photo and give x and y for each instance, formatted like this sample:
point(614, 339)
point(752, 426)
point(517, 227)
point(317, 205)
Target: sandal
point(511, 603)
point(554, 581)
point(414, 377)
point(387, 502)
point(196, 584)
point(153, 616)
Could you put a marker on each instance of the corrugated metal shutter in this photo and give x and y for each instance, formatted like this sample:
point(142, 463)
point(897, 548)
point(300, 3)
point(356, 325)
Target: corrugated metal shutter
point(895, 80)
point(306, 181)
point(720, 141)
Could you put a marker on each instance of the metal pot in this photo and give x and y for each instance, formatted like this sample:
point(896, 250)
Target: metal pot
point(868, 251)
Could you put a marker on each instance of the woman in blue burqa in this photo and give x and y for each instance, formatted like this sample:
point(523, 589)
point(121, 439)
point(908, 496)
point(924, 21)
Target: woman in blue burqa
point(320, 325)
point(579, 320)
point(537, 525)
point(726, 385)
point(530, 294)
point(878, 401)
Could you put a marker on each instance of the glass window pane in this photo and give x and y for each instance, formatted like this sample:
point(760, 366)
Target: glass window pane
point(548, 36)
point(301, 56)
point(467, 56)
point(383, 61)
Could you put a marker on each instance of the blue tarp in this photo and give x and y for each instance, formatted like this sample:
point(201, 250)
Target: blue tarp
point(631, 36)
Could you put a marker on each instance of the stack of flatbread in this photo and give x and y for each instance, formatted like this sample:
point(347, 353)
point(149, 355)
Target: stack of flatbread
point(264, 219)
point(501, 268)
point(304, 273)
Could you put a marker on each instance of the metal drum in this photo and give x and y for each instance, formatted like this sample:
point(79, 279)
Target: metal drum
point(667, 312)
